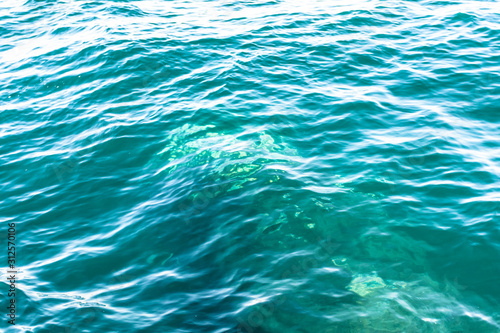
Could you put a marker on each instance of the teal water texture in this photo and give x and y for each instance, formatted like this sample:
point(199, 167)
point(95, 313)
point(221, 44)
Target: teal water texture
point(251, 166)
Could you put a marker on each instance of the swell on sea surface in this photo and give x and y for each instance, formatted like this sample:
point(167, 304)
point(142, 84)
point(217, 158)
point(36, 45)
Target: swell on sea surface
point(252, 166)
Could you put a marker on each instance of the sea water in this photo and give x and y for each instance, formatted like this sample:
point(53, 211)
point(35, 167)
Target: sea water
point(251, 166)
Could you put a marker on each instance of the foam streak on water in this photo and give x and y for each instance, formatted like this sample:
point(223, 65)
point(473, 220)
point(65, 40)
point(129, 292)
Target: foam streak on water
point(252, 166)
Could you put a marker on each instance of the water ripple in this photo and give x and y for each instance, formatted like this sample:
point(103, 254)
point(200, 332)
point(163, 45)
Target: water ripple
point(252, 166)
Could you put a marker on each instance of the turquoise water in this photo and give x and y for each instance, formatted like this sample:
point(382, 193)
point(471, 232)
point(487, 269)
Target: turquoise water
point(251, 166)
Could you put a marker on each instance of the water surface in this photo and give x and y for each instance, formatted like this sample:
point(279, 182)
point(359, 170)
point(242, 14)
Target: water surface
point(252, 166)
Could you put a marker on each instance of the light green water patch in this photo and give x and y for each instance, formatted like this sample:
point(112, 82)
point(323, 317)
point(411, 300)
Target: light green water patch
point(365, 284)
point(225, 161)
point(227, 155)
point(404, 307)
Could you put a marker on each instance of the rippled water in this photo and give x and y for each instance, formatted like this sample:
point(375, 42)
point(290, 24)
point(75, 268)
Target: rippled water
point(252, 166)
